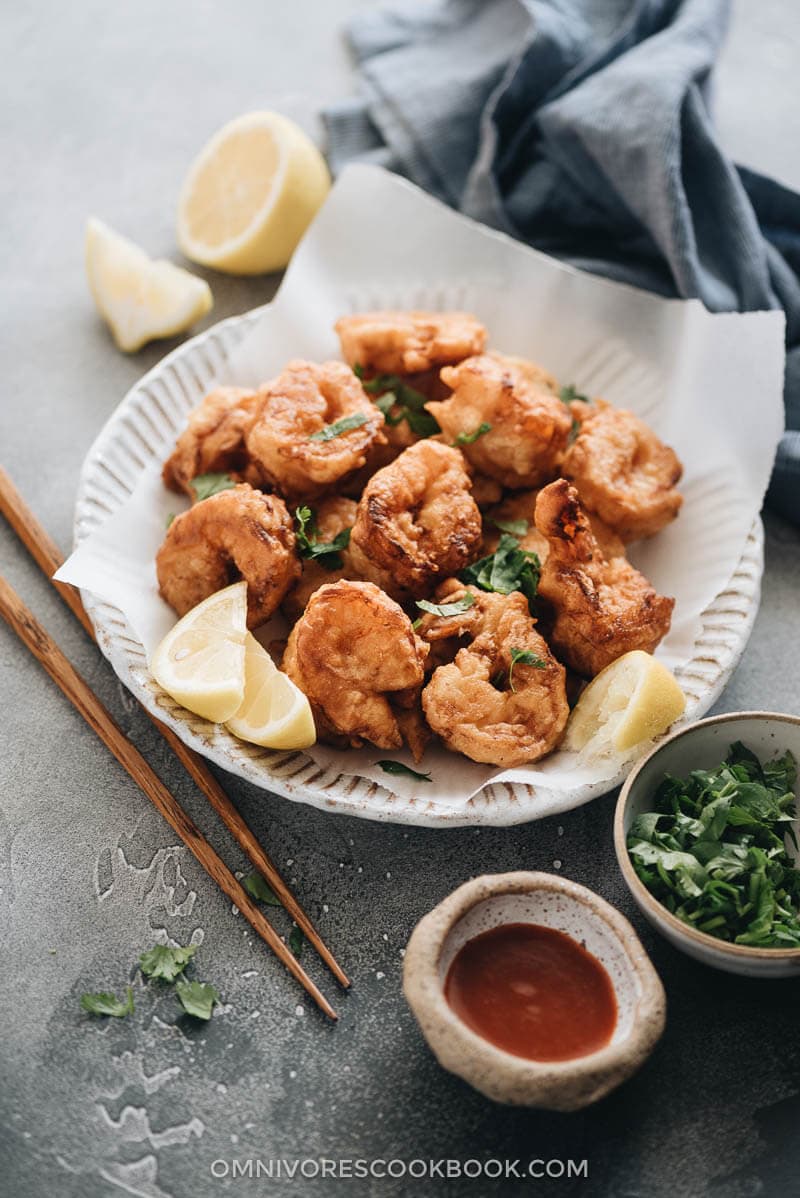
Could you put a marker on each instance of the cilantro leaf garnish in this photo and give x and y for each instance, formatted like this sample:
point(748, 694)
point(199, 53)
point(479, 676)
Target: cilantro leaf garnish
point(517, 528)
point(296, 941)
point(165, 962)
point(108, 1004)
point(525, 658)
point(447, 609)
point(327, 553)
point(391, 392)
point(508, 569)
point(397, 767)
point(471, 438)
point(329, 431)
point(713, 850)
point(258, 889)
point(206, 485)
point(197, 998)
point(570, 392)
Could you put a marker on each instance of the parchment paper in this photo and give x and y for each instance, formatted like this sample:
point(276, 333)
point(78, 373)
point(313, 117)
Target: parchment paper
point(711, 386)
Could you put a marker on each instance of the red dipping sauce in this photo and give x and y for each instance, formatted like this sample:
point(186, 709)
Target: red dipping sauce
point(533, 992)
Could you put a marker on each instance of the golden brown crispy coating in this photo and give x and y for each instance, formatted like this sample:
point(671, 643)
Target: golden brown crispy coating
point(417, 521)
point(522, 506)
point(408, 342)
point(356, 657)
point(282, 438)
point(332, 515)
point(624, 472)
point(213, 440)
point(470, 702)
point(239, 533)
point(529, 425)
point(603, 608)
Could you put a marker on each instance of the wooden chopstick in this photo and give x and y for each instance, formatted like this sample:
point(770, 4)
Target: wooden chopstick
point(46, 651)
point(48, 557)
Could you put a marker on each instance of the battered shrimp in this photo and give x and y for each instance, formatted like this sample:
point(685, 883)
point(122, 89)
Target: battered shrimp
point(355, 655)
point(417, 521)
point(521, 506)
point(331, 517)
point(528, 425)
point(213, 439)
point(477, 703)
point(602, 608)
point(624, 472)
point(239, 533)
point(408, 342)
point(292, 438)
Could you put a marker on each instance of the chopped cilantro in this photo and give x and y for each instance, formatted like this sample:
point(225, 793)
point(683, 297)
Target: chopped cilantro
point(206, 485)
point(296, 941)
point(327, 553)
point(508, 569)
point(447, 609)
point(397, 767)
point(197, 998)
point(165, 962)
point(525, 658)
point(258, 889)
point(471, 438)
point(329, 431)
point(108, 1004)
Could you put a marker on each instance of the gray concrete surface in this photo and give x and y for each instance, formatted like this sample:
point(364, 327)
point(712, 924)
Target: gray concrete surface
point(105, 106)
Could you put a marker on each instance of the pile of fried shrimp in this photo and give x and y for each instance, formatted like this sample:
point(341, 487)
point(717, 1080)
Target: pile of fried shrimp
point(444, 528)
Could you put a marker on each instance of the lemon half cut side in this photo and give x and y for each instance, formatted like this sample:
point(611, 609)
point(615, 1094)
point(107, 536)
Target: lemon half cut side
point(274, 712)
point(200, 662)
point(632, 700)
point(251, 194)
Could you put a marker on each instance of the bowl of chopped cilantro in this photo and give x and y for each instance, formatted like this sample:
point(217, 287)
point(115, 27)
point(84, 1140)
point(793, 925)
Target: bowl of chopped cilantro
point(706, 835)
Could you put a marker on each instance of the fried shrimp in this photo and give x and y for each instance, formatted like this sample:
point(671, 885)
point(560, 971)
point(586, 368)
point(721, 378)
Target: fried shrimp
point(213, 439)
point(502, 700)
point(356, 657)
point(505, 417)
point(517, 515)
point(408, 342)
point(239, 533)
point(331, 517)
point(416, 522)
point(313, 425)
point(624, 472)
point(602, 608)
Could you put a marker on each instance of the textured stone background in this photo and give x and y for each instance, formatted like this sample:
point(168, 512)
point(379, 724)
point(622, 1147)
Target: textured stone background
point(105, 107)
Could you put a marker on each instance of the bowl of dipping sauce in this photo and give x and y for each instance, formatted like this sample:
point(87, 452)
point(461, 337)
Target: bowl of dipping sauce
point(534, 990)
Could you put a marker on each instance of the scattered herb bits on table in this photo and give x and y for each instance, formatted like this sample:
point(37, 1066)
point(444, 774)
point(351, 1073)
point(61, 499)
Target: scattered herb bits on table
point(713, 851)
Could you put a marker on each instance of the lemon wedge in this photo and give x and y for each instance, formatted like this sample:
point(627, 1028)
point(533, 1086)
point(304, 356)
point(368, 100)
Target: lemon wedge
point(275, 712)
point(140, 298)
point(251, 194)
point(200, 662)
point(632, 700)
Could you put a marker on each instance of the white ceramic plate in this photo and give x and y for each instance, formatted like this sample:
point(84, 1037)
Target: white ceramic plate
point(144, 427)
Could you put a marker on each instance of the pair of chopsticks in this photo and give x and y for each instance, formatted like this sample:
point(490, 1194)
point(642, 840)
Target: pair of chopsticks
point(47, 556)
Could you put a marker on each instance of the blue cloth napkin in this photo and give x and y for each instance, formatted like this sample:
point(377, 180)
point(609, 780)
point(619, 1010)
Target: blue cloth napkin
point(582, 127)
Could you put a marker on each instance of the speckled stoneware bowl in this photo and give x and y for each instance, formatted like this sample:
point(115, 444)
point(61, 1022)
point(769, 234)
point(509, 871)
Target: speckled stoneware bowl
point(554, 902)
point(700, 746)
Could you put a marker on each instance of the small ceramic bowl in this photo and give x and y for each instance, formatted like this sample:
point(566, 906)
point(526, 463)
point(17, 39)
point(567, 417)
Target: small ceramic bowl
point(555, 902)
point(700, 746)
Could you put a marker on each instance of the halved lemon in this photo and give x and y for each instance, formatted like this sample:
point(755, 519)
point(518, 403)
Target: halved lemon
point(200, 662)
point(632, 700)
point(274, 712)
point(140, 298)
point(251, 194)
